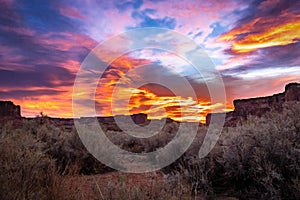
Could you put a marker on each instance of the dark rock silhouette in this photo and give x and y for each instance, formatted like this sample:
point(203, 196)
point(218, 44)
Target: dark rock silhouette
point(139, 118)
point(258, 106)
point(9, 109)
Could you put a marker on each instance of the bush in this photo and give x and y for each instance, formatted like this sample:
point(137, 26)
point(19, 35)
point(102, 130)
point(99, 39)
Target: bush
point(258, 159)
point(25, 172)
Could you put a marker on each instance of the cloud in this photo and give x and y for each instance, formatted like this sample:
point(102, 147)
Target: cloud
point(196, 16)
point(270, 24)
point(262, 50)
point(244, 87)
point(253, 43)
point(271, 72)
point(20, 94)
point(40, 53)
point(123, 5)
point(44, 17)
point(154, 90)
point(43, 76)
point(147, 18)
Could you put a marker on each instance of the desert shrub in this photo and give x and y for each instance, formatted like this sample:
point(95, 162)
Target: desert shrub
point(198, 173)
point(68, 151)
point(138, 145)
point(25, 172)
point(123, 186)
point(260, 158)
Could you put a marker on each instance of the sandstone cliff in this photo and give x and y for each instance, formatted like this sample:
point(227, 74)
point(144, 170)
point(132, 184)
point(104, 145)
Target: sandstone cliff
point(9, 109)
point(260, 105)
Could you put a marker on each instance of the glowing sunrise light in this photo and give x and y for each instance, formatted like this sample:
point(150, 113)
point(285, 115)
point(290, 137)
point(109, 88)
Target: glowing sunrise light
point(280, 35)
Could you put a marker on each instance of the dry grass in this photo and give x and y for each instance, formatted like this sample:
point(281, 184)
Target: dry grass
point(259, 159)
point(25, 172)
point(117, 185)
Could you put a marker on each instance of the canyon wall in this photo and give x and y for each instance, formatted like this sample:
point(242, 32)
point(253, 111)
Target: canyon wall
point(260, 105)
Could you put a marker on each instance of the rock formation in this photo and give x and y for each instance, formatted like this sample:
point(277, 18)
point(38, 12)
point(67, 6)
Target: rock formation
point(9, 109)
point(258, 106)
point(140, 118)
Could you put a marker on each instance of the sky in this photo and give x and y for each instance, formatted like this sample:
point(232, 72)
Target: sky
point(253, 45)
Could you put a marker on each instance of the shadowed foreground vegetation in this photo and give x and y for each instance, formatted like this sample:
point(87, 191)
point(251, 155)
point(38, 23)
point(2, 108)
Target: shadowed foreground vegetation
point(257, 159)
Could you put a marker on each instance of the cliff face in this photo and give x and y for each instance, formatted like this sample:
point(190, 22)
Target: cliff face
point(259, 106)
point(8, 109)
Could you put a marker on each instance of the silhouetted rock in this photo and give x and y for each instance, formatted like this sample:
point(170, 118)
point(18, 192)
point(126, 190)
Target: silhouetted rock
point(140, 118)
point(9, 109)
point(258, 106)
point(292, 92)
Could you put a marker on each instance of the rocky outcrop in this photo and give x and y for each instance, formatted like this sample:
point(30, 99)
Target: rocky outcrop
point(9, 109)
point(140, 118)
point(259, 106)
point(292, 92)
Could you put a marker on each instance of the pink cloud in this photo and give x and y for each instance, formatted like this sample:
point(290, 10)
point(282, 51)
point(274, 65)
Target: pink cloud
point(71, 12)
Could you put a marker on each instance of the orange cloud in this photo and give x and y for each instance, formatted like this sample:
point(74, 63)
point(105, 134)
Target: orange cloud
point(263, 32)
point(175, 107)
point(116, 96)
point(59, 105)
point(155, 100)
